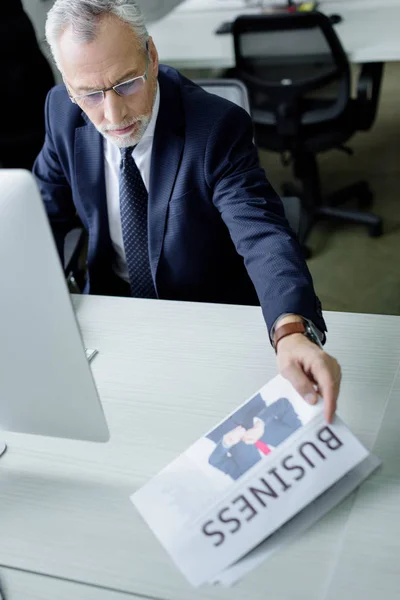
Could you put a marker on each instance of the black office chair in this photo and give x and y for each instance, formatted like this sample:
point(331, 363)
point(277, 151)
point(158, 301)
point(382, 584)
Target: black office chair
point(236, 91)
point(298, 77)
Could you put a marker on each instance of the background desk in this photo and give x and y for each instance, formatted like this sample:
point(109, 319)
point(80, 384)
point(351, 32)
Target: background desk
point(166, 372)
point(186, 37)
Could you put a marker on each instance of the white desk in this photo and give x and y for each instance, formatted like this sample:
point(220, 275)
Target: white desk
point(166, 372)
point(186, 37)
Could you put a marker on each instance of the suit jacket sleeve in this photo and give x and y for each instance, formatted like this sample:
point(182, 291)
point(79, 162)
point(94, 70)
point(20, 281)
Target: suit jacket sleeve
point(254, 215)
point(221, 460)
point(53, 185)
point(283, 410)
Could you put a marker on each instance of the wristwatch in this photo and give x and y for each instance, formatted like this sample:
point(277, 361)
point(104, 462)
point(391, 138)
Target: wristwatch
point(305, 326)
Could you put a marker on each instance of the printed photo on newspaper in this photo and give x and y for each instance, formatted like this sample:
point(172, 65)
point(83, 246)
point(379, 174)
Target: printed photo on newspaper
point(245, 479)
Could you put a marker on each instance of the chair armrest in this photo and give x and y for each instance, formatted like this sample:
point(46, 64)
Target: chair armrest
point(368, 89)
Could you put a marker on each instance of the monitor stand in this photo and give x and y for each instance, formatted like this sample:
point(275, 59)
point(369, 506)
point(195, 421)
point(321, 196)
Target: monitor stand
point(3, 447)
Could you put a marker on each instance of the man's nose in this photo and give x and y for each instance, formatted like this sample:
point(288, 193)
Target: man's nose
point(114, 108)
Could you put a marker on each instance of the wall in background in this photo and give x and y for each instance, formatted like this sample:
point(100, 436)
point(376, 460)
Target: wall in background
point(152, 9)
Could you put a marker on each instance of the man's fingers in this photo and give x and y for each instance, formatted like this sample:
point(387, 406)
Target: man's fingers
point(327, 375)
point(311, 371)
point(299, 380)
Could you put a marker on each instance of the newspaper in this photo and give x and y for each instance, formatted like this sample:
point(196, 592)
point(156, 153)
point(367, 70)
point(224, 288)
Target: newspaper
point(230, 499)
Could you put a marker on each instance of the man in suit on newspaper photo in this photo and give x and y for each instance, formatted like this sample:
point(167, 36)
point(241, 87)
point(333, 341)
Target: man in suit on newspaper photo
point(250, 434)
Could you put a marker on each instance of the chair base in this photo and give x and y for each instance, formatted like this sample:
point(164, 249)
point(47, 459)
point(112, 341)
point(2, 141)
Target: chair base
point(315, 207)
point(328, 208)
point(373, 222)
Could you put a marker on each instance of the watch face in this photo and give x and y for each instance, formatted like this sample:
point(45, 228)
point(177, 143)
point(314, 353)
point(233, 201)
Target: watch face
point(310, 329)
point(312, 334)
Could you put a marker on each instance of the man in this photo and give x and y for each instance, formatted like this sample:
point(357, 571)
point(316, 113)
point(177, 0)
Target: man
point(256, 433)
point(166, 180)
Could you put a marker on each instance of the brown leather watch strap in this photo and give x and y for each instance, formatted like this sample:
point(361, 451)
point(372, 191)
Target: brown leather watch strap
point(288, 329)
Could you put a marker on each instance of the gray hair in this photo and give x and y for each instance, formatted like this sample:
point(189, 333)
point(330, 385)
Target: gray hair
point(83, 16)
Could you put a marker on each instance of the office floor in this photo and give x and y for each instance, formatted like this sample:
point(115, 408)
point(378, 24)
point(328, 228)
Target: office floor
point(351, 271)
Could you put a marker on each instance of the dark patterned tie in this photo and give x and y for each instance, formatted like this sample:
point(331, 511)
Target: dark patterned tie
point(133, 200)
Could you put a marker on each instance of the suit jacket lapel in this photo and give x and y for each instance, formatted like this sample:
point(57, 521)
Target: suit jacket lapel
point(90, 179)
point(166, 156)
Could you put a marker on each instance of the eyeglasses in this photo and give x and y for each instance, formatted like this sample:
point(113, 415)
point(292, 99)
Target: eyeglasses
point(126, 88)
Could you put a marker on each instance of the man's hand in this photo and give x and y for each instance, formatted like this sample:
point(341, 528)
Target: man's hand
point(233, 437)
point(255, 433)
point(305, 365)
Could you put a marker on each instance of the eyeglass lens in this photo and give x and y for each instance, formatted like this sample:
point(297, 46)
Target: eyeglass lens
point(127, 88)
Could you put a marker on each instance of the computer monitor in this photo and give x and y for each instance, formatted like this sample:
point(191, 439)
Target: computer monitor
point(46, 384)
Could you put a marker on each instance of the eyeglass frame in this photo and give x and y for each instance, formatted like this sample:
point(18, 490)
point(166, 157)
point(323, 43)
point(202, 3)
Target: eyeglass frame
point(113, 87)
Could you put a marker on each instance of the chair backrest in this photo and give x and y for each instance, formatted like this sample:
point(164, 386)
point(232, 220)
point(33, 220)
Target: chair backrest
point(288, 61)
point(230, 89)
point(236, 91)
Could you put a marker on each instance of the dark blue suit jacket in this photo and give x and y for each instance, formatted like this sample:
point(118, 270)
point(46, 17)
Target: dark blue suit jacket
point(280, 421)
point(214, 219)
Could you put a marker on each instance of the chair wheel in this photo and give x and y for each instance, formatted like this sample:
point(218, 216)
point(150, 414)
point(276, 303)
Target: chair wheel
point(375, 230)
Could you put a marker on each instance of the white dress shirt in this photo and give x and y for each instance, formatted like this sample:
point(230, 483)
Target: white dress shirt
point(112, 160)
